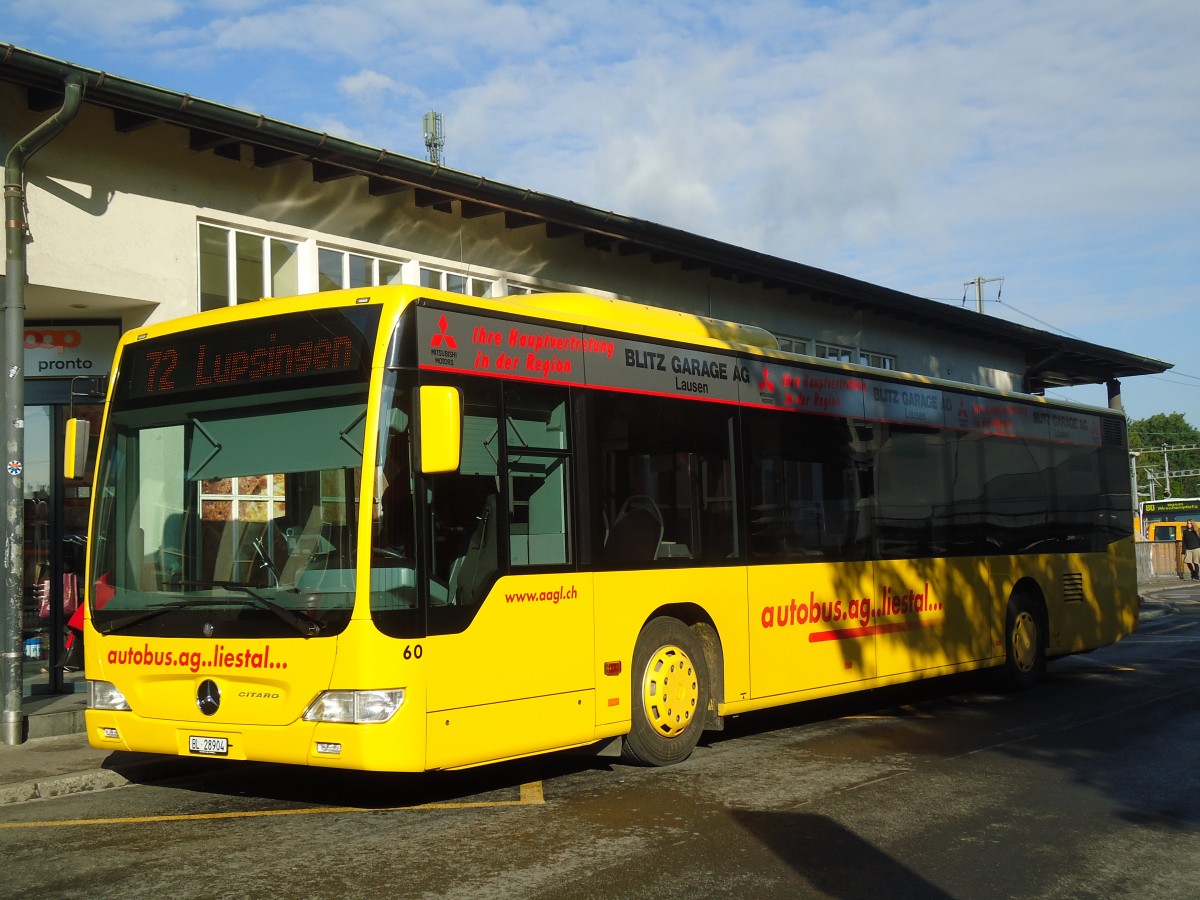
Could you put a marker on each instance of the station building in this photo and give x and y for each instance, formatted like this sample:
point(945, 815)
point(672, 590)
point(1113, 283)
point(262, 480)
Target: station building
point(146, 203)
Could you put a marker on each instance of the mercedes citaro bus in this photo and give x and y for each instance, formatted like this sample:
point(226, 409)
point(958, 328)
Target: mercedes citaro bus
point(402, 530)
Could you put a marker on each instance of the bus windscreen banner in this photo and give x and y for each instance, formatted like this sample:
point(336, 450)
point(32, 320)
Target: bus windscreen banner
point(470, 343)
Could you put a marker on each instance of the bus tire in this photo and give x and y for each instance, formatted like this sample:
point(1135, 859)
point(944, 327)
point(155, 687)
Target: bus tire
point(1024, 643)
point(671, 688)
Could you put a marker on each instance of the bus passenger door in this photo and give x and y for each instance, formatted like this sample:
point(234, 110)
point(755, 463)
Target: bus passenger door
point(510, 653)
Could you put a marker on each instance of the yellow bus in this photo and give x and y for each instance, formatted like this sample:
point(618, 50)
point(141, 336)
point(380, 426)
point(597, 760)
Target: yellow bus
point(395, 529)
point(1163, 520)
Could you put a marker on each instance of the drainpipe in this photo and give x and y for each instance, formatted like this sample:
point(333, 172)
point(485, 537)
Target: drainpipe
point(12, 651)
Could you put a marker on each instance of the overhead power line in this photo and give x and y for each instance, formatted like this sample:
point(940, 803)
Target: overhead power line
point(1065, 333)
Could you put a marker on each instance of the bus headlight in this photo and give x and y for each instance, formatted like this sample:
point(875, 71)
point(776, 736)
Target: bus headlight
point(355, 707)
point(105, 695)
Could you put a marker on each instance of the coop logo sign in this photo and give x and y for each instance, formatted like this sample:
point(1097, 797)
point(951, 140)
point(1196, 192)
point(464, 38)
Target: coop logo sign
point(57, 339)
point(60, 351)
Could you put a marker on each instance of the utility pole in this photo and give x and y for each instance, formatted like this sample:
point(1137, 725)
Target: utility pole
point(1133, 466)
point(979, 282)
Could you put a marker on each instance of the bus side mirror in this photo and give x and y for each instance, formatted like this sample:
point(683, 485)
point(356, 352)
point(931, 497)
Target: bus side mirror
point(440, 421)
point(76, 448)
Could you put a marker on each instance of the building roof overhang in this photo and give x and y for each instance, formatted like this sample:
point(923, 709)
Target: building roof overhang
point(1051, 360)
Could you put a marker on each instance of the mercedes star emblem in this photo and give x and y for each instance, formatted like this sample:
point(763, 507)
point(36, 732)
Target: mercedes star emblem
point(208, 697)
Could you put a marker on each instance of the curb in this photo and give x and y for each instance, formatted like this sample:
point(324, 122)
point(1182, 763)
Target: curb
point(61, 785)
point(151, 768)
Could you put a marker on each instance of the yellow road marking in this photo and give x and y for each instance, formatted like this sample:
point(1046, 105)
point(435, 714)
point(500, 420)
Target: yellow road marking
point(531, 795)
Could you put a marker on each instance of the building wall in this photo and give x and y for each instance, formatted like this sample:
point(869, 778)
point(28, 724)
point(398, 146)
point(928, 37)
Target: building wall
point(114, 221)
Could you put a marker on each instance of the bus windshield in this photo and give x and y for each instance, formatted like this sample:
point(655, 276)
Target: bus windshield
point(229, 512)
point(227, 490)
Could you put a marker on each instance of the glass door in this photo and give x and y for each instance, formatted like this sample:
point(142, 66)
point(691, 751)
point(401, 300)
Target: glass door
point(56, 512)
point(35, 595)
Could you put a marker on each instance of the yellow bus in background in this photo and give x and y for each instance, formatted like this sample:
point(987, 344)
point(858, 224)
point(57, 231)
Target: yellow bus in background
point(401, 530)
point(1163, 520)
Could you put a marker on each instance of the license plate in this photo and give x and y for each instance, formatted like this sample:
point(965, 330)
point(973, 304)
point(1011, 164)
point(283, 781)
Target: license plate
point(209, 746)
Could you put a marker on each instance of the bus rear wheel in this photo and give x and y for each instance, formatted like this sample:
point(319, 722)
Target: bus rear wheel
point(1024, 643)
point(670, 694)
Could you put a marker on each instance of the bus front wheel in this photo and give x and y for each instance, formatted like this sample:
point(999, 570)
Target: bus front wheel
point(670, 694)
point(1025, 643)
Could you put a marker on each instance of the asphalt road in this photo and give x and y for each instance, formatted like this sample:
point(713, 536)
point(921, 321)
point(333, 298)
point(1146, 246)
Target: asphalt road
point(1087, 786)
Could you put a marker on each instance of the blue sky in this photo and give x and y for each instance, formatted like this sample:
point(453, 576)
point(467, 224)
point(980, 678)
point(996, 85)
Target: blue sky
point(917, 145)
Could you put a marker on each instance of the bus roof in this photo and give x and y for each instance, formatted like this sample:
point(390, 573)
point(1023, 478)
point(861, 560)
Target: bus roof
point(588, 311)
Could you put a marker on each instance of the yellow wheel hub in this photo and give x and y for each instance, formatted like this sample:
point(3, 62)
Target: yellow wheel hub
point(1024, 642)
point(670, 691)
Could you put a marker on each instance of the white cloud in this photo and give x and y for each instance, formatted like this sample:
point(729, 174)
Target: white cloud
point(369, 86)
point(915, 144)
point(94, 19)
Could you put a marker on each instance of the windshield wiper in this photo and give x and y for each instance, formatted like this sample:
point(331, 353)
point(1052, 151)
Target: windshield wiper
point(125, 621)
point(303, 624)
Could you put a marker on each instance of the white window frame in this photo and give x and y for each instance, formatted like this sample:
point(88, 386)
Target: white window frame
point(789, 343)
point(267, 275)
point(307, 249)
point(374, 259)
point(877, 360)
point(839, 353)
point(444, 275)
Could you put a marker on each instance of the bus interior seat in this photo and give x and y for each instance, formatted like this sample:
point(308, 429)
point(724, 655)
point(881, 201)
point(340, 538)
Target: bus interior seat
point(637, 531)
point(477, 569)
point(303, 547)
point(236, 557)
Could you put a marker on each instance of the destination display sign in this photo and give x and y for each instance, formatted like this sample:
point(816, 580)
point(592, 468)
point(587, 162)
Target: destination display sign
point(332, 346)
point(1169, 506)
point(485, 345)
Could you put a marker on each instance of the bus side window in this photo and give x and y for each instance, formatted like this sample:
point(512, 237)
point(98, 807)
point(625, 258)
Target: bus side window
point(804, 488)
point(667, 491)
point(537, 468)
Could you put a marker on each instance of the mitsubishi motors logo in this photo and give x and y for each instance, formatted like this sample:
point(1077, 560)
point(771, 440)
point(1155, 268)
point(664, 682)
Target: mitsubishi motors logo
point(443, 348)
point(443, 336)
point(766, 386)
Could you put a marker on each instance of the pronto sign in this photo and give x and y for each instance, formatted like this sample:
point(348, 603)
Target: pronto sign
point(55, 350)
